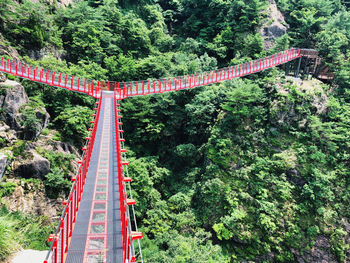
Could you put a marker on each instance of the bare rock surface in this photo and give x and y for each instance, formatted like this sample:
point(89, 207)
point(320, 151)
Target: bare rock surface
point(34, 166)
point(29, 198)
point(15, 98)
point(286, 113)
point(319, 253)
point(66, 148)
point(7, 134)
point(3, 164)
point(2, 77)
point(6, 49)
point(274, 26)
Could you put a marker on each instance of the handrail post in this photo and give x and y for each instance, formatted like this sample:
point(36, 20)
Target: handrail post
point(71, 83)
point(53, 78)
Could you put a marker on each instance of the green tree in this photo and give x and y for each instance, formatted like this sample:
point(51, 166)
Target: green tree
point(75, 123)
point(56, 183)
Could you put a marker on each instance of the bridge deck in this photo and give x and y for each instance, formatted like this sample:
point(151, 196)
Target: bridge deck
point(97, 236)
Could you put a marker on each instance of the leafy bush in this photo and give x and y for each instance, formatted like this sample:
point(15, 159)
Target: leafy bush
point(45, 132)
point(55, 183)
point(29, 25)
point(3, 91)
point(35, 230)
point(11, 77)
point(57, 136)
point(18, 148)
point(30, 123)
point(7, 188)
point(2, 142)
point(58, 159)
point(74, 123)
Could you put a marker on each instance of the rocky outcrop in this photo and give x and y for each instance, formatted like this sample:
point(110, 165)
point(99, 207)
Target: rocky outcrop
point(42, 120)
point(274, 26)
point(295, 178)
point(319, 253)
point(2, 78)
point(3, 164)
point(7, 134)
point(15, 98)
point(34, 166)
point(66, 148)
point(47, 143)
point(39, 54)
point(29, 197)
point(288, 113)
point(8, 50)
point(13, 101)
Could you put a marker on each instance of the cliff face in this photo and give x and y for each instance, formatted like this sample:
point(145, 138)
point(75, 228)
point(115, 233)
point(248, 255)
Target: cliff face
point(26, 154)
point(274, 25)
point(17, 111)
point(13, 99)
point(29, 197)
point(3, 164)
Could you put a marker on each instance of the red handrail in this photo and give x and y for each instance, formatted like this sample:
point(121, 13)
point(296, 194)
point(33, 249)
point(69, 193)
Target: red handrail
point(48, 77)
point(144, 87)
point(128, 236)
point(215, 76)
point(60, 240)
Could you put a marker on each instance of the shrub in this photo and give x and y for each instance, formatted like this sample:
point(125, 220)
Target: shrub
point(11, 77)
point(58, 160)
point(2, 91)
point(35, 230)
point(55, 183)
point(30, 123)
point(2, 142)
point(18, 148)
point(74, 124)
point(7, 188)
point(45, 132)
point(57, 136)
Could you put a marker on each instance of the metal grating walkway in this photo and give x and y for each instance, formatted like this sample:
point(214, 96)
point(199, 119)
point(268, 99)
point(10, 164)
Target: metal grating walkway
point(97, 235)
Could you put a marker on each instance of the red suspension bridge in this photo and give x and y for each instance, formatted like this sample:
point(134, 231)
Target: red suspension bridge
point(98, 222)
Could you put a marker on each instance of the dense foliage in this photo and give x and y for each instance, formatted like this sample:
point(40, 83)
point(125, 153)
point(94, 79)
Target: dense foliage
point(254, 169)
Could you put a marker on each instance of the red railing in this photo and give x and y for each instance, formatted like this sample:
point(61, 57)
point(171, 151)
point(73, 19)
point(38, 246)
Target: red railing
point(128, 236)
point(144, 87)
point(51, 78)
point(61, 239)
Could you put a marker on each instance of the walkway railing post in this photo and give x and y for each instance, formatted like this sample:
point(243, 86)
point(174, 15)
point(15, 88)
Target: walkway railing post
point(298, 67)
